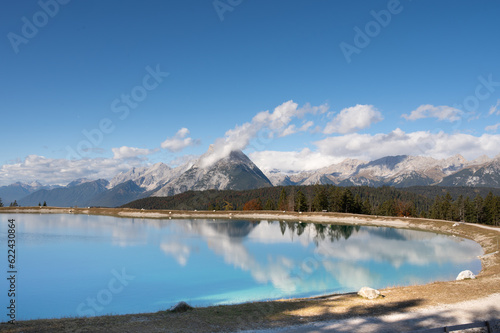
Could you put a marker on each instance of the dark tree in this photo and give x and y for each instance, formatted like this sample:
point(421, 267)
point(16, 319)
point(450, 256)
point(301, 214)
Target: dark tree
point(269, 205)
point(282, 201)
point(320, 201)
point(300, 202)
point(347, 201)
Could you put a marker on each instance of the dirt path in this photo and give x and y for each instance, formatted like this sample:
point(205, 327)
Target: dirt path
point(484, 309)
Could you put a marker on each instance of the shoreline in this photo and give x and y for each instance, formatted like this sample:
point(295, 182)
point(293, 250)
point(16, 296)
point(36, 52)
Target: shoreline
point(283, 313)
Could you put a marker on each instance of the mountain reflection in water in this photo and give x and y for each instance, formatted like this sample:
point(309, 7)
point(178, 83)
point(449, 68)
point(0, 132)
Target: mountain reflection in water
point(207, 262)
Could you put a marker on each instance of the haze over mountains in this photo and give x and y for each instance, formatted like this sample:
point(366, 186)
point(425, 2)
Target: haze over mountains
point(238, 172)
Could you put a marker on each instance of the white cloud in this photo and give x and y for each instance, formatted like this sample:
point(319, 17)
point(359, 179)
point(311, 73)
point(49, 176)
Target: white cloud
point(306, 126)
point(294, 161)
point(494, 109)
point(369, 147)
point(441, 112)
point(276, 123)
point(63, 171)
point(179, 141)
point(492, 128)
point(397, 142)
point(353, 118)
point(292, 129)
point(130, 152)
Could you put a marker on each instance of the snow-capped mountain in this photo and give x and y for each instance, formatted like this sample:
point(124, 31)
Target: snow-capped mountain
point(234, 172)
point(238, 172)
point(400, 171)
point(149, 178)
point(485, 174)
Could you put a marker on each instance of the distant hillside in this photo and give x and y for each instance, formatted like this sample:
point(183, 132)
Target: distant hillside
point(79, 195)
point(118, 195)
point(18, 190)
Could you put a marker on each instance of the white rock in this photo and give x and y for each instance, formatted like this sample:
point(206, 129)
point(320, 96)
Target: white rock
point(465, 275)
point(369, 293)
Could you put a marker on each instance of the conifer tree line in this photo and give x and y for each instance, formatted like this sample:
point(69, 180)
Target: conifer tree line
point(478, 210)
point(382, 201)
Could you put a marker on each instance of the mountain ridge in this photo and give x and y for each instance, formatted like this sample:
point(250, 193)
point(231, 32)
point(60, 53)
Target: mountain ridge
point(238, 172)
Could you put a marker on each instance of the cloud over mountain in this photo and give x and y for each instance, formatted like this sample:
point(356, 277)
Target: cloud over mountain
point(353, 119)
point(179, 141)
point(276, 123)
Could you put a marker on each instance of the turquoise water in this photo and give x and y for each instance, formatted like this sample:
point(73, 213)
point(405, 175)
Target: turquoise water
point(80, 265)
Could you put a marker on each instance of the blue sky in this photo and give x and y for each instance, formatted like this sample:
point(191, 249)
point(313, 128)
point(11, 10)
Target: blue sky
point(159, 81)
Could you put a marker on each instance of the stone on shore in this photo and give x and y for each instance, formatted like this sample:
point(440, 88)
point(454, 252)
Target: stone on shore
point(464, 275)
point(181, 307)
point(369, 293)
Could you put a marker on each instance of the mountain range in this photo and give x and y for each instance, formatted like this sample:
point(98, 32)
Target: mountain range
point(234, 172)
point(400, 171)
point(238, 172)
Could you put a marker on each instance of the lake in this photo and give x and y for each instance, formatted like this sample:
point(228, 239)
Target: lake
point(84, 265)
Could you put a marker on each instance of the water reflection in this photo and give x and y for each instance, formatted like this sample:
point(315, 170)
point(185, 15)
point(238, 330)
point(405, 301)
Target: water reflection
point(211, 262)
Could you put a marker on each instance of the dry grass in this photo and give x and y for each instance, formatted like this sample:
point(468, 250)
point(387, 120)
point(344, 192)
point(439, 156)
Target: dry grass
point(290, 312)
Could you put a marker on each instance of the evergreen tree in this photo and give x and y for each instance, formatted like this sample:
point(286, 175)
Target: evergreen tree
point(347, 201)
point(366, 208)
point(269, 205)
point(469, 211)
point(1, 203)
point(300, 202)
point(436, 212)
point(460, 209)
point(282, 201)
point(358, 204)
point(478, 207)
point(291, 202)
point(45, 204)
point(39, 204)
point(335, 200)
point(320, 201)
point(387, 208)
point(490, 210)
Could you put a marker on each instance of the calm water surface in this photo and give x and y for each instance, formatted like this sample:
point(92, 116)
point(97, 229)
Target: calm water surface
point(79, 265)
